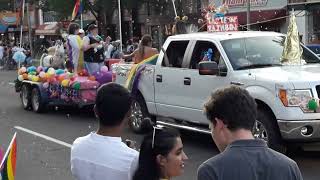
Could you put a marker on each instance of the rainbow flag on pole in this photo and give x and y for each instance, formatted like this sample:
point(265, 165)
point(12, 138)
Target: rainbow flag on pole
point(8, 163)
point(77, 10)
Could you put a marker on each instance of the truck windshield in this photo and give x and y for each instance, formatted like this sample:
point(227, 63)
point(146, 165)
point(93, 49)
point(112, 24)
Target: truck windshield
point(259, 52)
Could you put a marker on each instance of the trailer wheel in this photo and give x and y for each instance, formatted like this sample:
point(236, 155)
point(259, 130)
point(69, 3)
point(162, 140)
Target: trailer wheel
point(36, 101)
point(25, 96)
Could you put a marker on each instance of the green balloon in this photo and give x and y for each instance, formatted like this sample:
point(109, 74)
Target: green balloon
point(312, 105)
point(76, 86)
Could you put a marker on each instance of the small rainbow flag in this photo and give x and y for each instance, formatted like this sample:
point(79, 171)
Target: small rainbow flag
point(8, 163)
point(78, 8)
point(136, 70)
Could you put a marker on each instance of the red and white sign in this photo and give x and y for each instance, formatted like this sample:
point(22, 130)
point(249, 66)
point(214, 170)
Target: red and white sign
point(222, 24)
point(241, 3)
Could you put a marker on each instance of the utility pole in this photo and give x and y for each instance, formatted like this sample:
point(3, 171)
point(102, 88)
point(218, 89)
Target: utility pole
point(248, 15)
point(29, 28)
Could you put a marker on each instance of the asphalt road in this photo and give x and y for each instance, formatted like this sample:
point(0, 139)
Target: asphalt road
point(47, 157)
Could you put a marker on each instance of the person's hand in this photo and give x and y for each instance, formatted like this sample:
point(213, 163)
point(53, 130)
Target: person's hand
point(131, 144)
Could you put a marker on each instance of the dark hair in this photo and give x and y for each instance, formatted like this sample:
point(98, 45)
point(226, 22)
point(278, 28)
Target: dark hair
point(92, 27)
point(234, 106)
point(72, 28)
point(113, 102)
point(165, 140)
point(145, 41)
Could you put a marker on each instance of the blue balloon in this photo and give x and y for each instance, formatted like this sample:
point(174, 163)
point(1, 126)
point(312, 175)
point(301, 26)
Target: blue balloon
point(31, 69)
point(59, 71)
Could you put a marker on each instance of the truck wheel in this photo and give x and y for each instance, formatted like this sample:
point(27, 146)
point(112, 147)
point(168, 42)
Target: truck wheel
point(140, 120)
point(265, 128)
point(36, 101)
point(25, 96)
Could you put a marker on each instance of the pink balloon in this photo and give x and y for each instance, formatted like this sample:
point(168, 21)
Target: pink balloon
point(45, 85)
point(104, 69)
point(39, 69)
point(42, 74)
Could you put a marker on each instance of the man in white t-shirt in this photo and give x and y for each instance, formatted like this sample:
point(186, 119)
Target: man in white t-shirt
point(102, 154)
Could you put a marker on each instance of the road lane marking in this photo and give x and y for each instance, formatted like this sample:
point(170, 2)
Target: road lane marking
point(57, 141)
point(11, 83)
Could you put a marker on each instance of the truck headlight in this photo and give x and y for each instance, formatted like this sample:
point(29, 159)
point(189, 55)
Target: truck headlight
point(296, 98)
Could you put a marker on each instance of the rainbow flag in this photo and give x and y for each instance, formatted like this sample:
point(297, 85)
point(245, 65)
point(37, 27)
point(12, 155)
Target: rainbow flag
point(136, 70)
point(8, 163)
point(78, 8)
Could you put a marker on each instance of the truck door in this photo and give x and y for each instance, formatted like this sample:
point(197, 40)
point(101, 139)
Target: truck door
point(199, 87)
point(169, 79)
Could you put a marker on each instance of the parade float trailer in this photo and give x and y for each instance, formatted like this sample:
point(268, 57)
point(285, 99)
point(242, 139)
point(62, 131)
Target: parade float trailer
point(42, 87)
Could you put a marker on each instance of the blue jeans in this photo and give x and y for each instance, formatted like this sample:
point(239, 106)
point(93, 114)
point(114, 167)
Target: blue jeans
point(93, 67)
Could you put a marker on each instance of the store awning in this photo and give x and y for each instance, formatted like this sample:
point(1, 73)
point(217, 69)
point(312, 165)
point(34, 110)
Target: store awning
point(260, 16)
point(51, 29)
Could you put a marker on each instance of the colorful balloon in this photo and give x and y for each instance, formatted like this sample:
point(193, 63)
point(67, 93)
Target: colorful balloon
point(104, 69)
point(20, 78)
point(59, 71)
point(35, 79)
point(39, 69)
point(76, 86)
point(25, 76)
point(51, 71)
point(42, 74)
point(30, 77)
point(45, 85)
point(91, 78)
point(23, 70)
point(65, 83)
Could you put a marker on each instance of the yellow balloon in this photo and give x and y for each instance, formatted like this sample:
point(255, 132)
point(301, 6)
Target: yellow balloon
point(65, 83)
point(35, 78)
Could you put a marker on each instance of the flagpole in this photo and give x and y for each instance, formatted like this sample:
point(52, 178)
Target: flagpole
point(7, 152)
point(21, 29)
point(81, 21)
point(174, 8)
point(120, 28)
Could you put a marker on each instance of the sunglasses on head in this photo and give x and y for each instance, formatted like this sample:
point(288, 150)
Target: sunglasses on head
point(156, 127)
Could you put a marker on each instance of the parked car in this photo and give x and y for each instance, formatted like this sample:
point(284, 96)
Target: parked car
point(315, 48)
point(174, 90)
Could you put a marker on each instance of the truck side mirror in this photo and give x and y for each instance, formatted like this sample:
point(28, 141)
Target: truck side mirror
point(208, 68)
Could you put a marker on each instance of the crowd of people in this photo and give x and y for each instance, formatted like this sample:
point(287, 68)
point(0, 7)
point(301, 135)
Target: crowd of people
point(103, 155)
point(7, 52)
point(87, 50)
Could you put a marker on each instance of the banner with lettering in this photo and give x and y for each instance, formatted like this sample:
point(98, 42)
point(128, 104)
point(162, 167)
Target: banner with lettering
point(222, 24)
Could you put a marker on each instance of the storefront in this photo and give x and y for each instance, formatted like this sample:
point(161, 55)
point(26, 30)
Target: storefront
point(265, 15)
point(9, 21)
point(308, 19)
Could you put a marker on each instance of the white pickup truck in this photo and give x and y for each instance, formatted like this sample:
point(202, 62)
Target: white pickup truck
point(173, 91)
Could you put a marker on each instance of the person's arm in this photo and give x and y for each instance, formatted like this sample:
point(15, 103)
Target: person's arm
point(86, 44)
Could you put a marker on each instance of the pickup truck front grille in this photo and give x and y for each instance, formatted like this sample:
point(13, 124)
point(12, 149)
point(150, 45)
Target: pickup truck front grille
point(318, 90)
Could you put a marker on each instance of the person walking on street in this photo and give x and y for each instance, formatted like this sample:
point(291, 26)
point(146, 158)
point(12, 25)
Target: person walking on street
point(232, 113)
point(93, 50)
point(102, 154)
point(161, 155)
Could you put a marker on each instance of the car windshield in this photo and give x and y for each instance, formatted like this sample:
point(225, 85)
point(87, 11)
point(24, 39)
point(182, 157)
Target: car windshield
point(258, 52)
